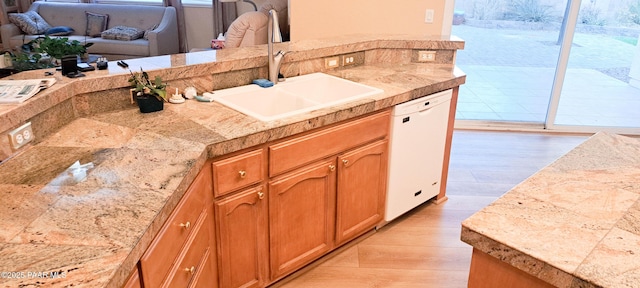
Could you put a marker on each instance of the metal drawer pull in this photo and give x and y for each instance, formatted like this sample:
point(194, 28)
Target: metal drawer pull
point(332, 167)
point(190, 270)
point(242, 173)
point(345, 161)
point(185, 225)
point(260, 195)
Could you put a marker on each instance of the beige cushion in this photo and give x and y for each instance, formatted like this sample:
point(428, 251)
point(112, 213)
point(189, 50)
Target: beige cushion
point(248, 29)
point(122, 33)
point(29, 22)
point(96, 23)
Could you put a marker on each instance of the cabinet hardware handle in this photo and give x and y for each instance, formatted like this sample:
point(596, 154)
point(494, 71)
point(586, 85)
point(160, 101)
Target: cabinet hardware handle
point(260, 195)
point(434, 183)
point(332, 167)
point(345, 161)
point(186, 225)
point(242, 173)
point(190, 270)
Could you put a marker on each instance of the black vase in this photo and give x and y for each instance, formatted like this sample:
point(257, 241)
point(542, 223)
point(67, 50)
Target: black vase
point(149, 103)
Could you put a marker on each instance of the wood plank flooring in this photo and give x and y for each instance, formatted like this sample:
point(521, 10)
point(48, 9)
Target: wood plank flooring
point(422, 248)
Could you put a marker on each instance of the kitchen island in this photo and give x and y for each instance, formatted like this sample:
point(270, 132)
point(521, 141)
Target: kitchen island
point(82, 205)
point(575, 223)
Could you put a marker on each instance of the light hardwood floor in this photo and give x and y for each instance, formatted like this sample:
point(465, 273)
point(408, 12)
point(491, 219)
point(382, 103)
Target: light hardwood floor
point(422, 248)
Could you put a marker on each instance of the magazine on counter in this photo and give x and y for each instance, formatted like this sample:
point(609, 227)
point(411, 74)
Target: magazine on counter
point(18, 91)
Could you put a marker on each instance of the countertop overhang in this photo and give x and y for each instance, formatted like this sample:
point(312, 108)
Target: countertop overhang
point(575, 223)
point(68, 223)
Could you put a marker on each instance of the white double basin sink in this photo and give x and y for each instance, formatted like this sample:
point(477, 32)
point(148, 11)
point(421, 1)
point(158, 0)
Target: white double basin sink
point(294, 96)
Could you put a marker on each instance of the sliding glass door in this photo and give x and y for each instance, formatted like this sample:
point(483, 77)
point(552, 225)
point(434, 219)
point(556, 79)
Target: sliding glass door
point(597, 92)
point(539, 64)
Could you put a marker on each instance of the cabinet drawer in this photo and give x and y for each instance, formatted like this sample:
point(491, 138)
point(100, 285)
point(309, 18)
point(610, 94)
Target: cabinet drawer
point(205, 276)
point(157, 260)
point(302, 150)
point(190, 260)
point(237, 172)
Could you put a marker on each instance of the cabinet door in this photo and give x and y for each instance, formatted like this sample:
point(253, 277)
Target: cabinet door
point(134, 280)
point(241, 221)
point(362, 183)
point(301, 215)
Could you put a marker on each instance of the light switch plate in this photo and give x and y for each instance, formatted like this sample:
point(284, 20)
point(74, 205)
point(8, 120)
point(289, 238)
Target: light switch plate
point(332, 62)
point(428, 16)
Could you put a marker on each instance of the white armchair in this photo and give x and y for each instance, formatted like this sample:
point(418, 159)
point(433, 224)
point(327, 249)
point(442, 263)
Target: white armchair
point(250, 28)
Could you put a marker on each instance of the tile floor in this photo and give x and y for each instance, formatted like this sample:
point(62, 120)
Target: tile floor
point(522, 94)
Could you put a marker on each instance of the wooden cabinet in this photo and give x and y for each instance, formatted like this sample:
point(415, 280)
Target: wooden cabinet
point(301, 216)
point(276, 208)
point(186, 243)
point(134, 280)
point(362, 185)
point(326, 188)
point(241, 221)
point(290, 202)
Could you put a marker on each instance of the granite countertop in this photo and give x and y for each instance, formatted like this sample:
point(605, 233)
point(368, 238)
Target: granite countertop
point(575, 223)
point(80, 207)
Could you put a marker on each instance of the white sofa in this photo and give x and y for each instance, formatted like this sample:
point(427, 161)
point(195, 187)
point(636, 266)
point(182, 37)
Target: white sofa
point(161, 23)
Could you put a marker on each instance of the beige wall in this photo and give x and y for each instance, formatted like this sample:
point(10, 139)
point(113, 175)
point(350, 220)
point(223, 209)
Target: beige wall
point(328, 18)
point(312, 19)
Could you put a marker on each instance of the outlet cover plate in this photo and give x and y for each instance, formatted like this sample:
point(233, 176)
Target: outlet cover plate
point(426, 56)
point(21, 136)
point(353, 59)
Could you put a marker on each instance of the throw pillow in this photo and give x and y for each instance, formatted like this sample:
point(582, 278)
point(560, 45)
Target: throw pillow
point(29, 22)
point(59, 31)
point(96, 23)
point(122, 33)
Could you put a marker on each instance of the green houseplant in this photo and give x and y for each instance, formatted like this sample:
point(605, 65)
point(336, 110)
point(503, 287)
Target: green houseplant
point(57, 47)
point(150, 95)
point(45, 52)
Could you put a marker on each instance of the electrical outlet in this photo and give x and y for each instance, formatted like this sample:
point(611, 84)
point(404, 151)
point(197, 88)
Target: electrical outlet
point(426, 56)
point(332, 62)
point(21, 136)
point(428, 16)
point(349, 59)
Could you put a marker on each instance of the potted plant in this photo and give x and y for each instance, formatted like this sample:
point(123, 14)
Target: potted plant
point(46, 52)
point(58, 47)
point(150, 95)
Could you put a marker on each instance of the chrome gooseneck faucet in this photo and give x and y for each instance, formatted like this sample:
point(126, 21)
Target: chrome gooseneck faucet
point(274, 36)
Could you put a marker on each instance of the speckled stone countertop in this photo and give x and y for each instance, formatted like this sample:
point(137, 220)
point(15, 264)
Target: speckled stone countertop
point(81, 206)
point(575, 223)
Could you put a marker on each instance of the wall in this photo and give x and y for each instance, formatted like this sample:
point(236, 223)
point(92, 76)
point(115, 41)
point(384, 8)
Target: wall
point(328, 18)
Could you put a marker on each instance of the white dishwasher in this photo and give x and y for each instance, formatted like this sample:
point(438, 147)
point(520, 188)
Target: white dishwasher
point(416, 153)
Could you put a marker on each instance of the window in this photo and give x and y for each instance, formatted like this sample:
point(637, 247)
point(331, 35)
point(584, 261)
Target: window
point(135, 2)
point(196, 3)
